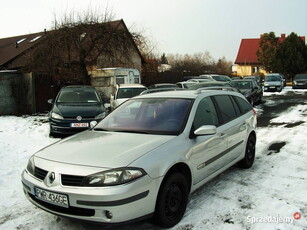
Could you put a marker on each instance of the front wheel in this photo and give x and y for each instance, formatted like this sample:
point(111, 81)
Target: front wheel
point(172, 200)
point(250, 151)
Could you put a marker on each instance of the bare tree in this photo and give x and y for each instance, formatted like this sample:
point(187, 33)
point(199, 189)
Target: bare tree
point(195, 64)
point(78, 42)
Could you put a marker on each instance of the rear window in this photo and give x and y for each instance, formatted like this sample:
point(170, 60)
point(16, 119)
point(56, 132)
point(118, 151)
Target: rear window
point(244, 106)
point(226, 108)
point(129, 92)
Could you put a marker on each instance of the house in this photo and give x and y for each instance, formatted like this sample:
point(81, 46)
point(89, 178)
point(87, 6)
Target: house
point(22, 55)
point(247, 61)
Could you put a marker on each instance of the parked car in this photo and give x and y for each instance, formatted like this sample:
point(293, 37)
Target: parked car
point(198, 80)
point(144, 158)
point(163, 85)
point(273, 82)
point(209, 77)
point(208, 84)
point(123, 92)
point(256, 78)
point(250, 89)
point(221, 78)
point(73, 110)
point(227, 88)
point(185, 84)
point(300, 81)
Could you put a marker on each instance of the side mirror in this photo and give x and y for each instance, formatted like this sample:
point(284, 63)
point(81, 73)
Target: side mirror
point(50, 101)
point(205, 130)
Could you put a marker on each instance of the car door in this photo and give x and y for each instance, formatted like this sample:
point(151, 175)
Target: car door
point(207, 149)
point(233, 125)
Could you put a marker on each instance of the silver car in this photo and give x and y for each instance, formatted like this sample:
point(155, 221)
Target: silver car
point(145, 158)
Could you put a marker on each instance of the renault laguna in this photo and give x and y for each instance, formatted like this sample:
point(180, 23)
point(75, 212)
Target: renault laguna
point(145, 158)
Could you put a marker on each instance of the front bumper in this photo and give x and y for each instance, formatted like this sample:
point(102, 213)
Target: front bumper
point(125, 202)
point(63, 127)
point(271, 88)
point(300, 85)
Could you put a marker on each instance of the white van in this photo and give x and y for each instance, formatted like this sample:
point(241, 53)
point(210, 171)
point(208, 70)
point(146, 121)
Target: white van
point(106, 79)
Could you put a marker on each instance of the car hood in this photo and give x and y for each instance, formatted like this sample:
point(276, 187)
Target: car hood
point(102, 149)
point(74, 110)
point(121, 100)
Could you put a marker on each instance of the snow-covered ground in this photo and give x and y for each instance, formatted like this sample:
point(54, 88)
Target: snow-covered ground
point(264, 197)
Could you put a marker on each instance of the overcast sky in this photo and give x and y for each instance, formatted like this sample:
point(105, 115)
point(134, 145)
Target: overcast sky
point(176, 26)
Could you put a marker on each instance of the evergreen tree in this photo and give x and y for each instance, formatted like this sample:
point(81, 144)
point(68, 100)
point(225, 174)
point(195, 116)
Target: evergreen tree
point(267, 48)
point(291, 56)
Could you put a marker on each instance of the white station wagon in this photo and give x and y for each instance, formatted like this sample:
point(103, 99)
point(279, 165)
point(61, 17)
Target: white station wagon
point(144, 158)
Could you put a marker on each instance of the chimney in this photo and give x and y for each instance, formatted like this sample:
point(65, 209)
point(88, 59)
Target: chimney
point(283, 36)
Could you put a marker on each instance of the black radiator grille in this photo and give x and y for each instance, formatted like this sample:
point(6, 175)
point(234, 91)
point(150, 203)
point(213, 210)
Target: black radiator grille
point(70, 180)
point(40, 173)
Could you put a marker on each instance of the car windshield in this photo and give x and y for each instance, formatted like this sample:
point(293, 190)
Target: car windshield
point(129, 92)
point(153, 116)
point(71, 95)
point(300, 77)
point(241, 84)
point(273, 78)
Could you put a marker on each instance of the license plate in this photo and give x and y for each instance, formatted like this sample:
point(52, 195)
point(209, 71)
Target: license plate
point(272, 87)
point(300, 83)
point(79, 125)
point(51, 197)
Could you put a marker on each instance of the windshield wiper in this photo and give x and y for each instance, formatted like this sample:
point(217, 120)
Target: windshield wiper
point(130, 131)
point(120, 131)
point(101, 129)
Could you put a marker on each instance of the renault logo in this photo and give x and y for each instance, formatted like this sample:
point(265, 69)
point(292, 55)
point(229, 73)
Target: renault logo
point(51, 177)
point(79, 118)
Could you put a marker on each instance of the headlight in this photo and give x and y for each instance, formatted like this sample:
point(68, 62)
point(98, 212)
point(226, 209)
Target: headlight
point(294, 82)
point(56, 116)
point(266, 84)
point(100, 116)
point(31, 166)
point(113, 177)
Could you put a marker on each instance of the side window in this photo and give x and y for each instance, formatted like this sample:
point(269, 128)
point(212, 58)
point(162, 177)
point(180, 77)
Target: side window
point(205, 114)
point(226, 108)
point(244, 106)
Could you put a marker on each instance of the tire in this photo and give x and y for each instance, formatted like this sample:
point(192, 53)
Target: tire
point(250, 151)
point(172, 200)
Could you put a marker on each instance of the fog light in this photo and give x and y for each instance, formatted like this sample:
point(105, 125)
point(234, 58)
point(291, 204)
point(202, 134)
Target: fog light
point(109, 214)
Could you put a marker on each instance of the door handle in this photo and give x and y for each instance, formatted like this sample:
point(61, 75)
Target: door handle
point(243, 127)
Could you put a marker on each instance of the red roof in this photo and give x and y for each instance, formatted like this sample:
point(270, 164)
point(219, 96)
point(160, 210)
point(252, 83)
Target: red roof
point(247, 51)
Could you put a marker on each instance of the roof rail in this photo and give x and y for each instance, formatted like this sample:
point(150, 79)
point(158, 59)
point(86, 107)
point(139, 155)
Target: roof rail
point(224, 88)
